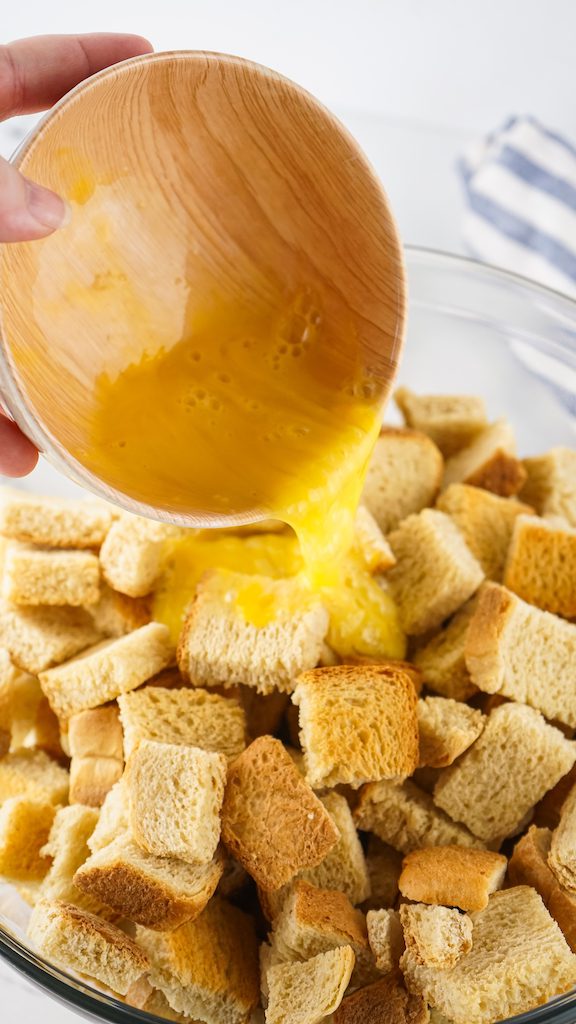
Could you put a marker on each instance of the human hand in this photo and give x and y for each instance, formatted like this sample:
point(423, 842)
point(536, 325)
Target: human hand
point(34, 74)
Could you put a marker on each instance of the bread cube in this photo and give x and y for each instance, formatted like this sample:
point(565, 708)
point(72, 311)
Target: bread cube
point(489, 461)
point(451, 421)
point(455, 876)
point(486, 522)
point(541, 565)
point(404, 475)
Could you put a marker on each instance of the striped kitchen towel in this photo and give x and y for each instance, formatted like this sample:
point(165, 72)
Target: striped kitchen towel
point(520, 186)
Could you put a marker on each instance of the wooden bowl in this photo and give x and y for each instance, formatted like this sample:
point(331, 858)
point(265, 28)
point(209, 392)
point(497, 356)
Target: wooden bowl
point(198, 182)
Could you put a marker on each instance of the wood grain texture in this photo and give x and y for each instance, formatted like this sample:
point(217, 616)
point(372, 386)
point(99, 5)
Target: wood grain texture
point(199, 183)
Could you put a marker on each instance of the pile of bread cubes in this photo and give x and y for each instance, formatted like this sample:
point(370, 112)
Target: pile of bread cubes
point(245, 828)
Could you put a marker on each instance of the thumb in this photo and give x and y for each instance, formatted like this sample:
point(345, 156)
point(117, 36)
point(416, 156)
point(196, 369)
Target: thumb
point(27, 210)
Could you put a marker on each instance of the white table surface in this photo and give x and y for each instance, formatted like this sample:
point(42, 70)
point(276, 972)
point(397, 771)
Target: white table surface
point(413, 80)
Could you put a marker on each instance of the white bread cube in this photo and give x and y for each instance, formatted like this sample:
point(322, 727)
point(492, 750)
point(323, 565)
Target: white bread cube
point(37, 576)
point(193, 717)
point(406, 818)
point(486, 521)
point(357, 724)
point(404, 476)
point(529, 866)
point(541, 565)
point(441, 659)
point(489, 461)
point(389, 995)
point(132, 555)
point(115, 614)
point(435, 936)
point(370, 543)
point(82, 942)
point(67, 846)
point(219, 646)
point(96, 732)
point(447, 728)
point(162, 893)
point(497, 782)
point(24, 829)
point(105, 671)
point(208, 969)
point(435, 571)
point(52, 522)
point(39, 638)
point(519, 959)
point(451, 421)
point(523, 653)
point(309, 991)
point(551, 484)
point(176, 795)
point(386, 938)
point(92, 778)
point(562, 856)
point(33, 774)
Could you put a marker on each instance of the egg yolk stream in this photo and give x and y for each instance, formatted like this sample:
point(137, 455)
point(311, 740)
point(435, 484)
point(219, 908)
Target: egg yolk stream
point(363, 617)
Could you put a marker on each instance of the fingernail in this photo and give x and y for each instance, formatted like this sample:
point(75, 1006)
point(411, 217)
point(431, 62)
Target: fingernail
point(46, 207)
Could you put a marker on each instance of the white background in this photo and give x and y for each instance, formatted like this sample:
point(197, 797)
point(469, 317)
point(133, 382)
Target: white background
point(415, 80)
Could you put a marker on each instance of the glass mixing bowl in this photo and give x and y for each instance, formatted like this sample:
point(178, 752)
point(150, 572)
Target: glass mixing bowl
point(472, 329)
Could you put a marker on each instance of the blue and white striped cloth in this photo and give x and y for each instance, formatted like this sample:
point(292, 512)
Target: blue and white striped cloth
point(520, 185)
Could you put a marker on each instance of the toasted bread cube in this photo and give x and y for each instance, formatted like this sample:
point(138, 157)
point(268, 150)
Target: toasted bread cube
point(529, 866)
point(344, 868)
point(67, 846)
point(441, 660)
point(144, 996)
point(384, 865)
point(494, 785)
point(33, 774)
point(132, 555)
point(551, 484)
point(176, 796)
point(404, 476)
point(370, 543)
point(114, 817)
point(548, 810)
point(486, 521)
point(20, 697)
point(96, 733)
point(455, 876)
point(209, 967)
point(315, 920)
point(24, 829)
point(435, 936)
point(447, 728)
point(489, 461)
point(541, 565)
point(95, 743)
point(92, 778)
point(386, 938)
point(220, 646)
point(523, 653)
point(158, 892)
point(271, 820)
point(389, 995)
point(115, 614)
point(406, 818)
point(105, 671)
point(562, 856)
point(306, 993)
point(39, 638)
point(36, 576)
point(357, 724)
point(435, 572)
point(82, 942)
point(52, 522)
point(451, 421)
point(193, 717)
point(519, 959)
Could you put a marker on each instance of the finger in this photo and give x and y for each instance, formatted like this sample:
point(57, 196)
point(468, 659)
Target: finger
point(18, 456)
point(27, 211)
point(36, 72)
